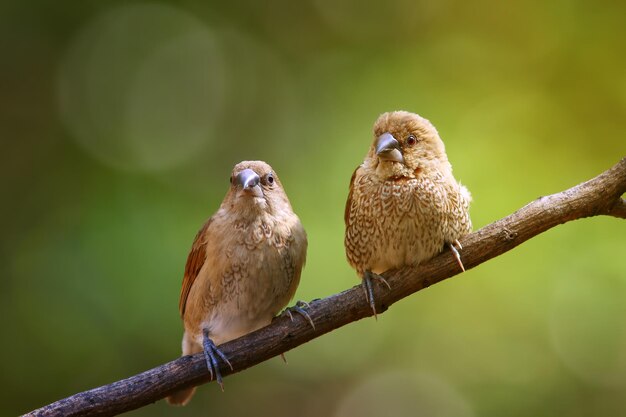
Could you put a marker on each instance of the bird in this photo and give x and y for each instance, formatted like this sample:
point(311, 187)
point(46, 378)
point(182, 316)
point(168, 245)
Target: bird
point(404, 205)
point(244, 267)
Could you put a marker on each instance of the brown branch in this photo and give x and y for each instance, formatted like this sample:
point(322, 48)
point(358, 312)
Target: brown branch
point(598, 196)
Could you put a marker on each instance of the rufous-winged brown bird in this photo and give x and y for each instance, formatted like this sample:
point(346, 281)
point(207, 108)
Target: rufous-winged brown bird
point(404, 204)
point(243, 268)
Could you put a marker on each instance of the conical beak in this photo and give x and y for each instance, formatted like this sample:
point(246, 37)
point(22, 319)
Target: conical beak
point(388, 148)
point(249, 182)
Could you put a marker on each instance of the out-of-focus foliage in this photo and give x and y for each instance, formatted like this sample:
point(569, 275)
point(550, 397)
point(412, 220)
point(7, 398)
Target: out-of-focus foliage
point(120, 122)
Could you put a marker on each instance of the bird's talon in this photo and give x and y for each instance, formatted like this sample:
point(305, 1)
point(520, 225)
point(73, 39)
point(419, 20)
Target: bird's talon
point(209, 366)
point(297, 308)
point(224, 358)
point(365, 287)
point(383, 280)
point(209, 355)
point(456, 254)
point(368, 276)
point(289, 314)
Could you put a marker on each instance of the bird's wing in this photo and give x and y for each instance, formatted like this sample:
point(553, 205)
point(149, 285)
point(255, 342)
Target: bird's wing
point(195, 260)
point(346, 213)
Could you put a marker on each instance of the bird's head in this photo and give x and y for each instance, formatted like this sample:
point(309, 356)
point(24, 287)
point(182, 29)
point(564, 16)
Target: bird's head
point(255, 186)
point(405, 144)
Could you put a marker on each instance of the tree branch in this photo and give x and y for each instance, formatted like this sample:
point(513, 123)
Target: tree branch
point(619, 209)
point(598, 196)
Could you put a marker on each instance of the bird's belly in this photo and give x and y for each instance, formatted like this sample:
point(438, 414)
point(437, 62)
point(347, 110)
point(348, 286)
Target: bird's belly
point(254, 289)
point(407, 242)
point(228, 325)
point(399, 225)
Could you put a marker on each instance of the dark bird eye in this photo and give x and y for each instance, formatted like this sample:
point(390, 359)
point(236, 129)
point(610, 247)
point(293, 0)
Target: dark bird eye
point(411, 140)
point(230, 179)
point(270, 179)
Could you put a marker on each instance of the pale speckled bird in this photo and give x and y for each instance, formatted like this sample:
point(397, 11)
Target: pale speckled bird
point(404, 204)
point(243, 268)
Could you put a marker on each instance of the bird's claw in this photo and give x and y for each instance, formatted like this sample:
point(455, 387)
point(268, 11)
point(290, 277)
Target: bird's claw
point(368, 276)
point(210, 350)
point(455, 252)
point(298, 308)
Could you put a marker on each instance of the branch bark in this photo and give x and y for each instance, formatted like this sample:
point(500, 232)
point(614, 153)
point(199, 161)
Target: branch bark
point(598, 196)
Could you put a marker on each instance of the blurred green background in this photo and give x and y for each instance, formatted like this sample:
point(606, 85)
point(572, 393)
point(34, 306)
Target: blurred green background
point(120, 123)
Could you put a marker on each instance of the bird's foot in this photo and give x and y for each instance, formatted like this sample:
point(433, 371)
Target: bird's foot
point(455, 252)
point(368, 277)
point(299, 308)
point(210, 352)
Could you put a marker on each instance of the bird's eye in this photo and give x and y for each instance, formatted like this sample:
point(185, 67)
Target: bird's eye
point(411, 140)
point(230, 179)
point(270, 179)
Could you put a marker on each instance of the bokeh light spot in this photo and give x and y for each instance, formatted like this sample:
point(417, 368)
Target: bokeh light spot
point(140, 85)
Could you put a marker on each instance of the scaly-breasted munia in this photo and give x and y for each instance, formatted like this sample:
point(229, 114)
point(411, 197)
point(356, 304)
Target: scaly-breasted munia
point(404, 204)
point(243, 268)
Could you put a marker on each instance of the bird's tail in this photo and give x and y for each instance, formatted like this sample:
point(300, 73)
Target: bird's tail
point(183, 396)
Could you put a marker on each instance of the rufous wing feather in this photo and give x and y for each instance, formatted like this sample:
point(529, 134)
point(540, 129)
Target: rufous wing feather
point(195, 260)
point(346, 213)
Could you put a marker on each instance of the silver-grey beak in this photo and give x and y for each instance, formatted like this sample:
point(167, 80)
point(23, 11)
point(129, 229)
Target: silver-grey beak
point(388, 148)
point(248, 179)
